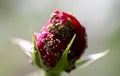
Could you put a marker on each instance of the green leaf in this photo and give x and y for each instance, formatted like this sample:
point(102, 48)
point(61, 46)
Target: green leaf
point(36, 58)
point(35, 54)
point(25, 45)
point(63, 62)
point(91, 59)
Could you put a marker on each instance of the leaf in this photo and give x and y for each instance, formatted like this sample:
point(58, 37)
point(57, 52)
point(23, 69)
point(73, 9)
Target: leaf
point(91, 59)
point(63, 62)
point(35, 54)
point(36, 58)
point(25, 45)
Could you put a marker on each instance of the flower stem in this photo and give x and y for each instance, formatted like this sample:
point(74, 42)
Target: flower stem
point(52, 74)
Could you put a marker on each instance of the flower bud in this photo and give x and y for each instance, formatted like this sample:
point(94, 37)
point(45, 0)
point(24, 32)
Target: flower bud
point(54, 37)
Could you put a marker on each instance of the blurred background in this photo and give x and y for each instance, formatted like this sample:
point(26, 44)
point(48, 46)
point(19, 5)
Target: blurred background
point(100, 17)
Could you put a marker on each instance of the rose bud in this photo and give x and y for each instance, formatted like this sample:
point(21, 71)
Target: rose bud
point(54, 37)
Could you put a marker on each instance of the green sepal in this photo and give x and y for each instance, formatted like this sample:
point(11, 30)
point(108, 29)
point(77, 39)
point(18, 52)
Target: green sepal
point(35, 55)
point(63, 62)
point(36, 59)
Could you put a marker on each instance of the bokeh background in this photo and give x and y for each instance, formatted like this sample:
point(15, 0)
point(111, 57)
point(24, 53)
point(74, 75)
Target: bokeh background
point(100, 17)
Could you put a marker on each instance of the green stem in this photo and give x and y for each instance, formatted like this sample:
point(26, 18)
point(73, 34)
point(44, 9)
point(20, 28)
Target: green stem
point(52, 74)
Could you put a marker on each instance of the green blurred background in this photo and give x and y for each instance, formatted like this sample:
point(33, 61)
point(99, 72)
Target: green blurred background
point(100, 17)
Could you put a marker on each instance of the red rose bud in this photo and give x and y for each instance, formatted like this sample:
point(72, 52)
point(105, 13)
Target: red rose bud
point(54, 37)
